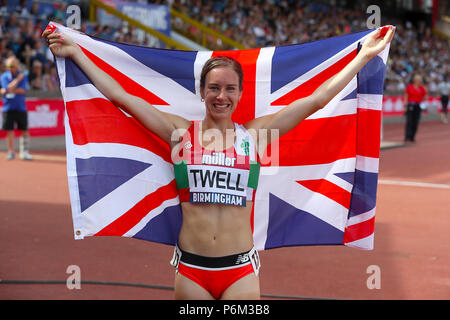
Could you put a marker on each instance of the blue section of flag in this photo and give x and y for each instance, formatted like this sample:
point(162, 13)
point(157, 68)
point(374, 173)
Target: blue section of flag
point(370, 78)
point(164, 228)
point(290, 226)
point(98, 176)
point(351, 95)
point(175, 64)
point(364, 193)
point(290, 62)
point(347, 176)
point(74, 76)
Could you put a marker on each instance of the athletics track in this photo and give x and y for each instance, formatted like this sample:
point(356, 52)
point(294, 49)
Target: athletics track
point(412, 238)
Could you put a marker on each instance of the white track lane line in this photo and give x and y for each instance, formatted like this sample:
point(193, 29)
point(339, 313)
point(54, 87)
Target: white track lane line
point(414, 184)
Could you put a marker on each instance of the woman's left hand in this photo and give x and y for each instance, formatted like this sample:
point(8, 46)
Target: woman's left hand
point(375, 43)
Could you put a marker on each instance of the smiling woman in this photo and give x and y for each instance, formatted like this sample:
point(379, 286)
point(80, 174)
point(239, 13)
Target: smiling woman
point(217, 174)
point(221, 89)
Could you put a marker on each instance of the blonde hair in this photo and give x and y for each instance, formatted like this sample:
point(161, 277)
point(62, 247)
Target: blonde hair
point(10, 61)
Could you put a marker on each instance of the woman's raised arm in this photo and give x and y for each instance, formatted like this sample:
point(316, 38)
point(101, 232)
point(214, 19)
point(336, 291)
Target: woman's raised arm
point(289, 117)
point(160, 123)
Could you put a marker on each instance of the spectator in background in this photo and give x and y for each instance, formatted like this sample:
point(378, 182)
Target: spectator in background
point(444, 88)
point(59, 12)
point(39, 51)
point(2, 67)
point(5, 51)
point(415, 94)
point(51, 79)
point(2, 26)
point(3, 8)
point(14, 85)
point(35, 12)
point(105, 33)
point(25, 55)
point(22, 9)
point(12, 29)
point(36, 76)
point(25, 50)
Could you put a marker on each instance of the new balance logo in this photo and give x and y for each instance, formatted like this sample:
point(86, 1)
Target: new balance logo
point(242, 258)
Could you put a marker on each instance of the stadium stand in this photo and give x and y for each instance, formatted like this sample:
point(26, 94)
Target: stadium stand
point(253, 23)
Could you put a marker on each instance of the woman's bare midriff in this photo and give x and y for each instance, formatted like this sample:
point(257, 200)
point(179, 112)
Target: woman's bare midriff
point(215, 230)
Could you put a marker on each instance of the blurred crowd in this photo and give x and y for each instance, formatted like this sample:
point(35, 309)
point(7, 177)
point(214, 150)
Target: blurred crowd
point(20, 36)
point(254, 23)
point(262, 23)
point(415, 52)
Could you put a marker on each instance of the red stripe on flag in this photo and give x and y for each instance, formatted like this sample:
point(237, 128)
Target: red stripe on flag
point(130, 218)
point(129, 85)
point(98, 120)
point(368, 133)
point(245, 110)
point(329, 190)
point(359, 230)
point(315, 141)
point(308, 87)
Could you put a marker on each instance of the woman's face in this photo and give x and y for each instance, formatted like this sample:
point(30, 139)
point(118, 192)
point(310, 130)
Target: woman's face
point(221, 92)
point(417, 80)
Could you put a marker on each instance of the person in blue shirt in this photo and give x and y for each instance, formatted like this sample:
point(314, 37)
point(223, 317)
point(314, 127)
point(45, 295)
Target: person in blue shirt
point(14, 84)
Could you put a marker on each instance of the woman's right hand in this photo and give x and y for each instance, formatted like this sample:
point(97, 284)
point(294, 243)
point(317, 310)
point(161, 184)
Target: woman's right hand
point(61, 45)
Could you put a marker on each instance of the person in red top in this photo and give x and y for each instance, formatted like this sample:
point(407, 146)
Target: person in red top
point(414, 95)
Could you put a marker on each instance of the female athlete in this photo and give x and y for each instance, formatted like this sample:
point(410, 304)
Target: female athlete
point(215, 257)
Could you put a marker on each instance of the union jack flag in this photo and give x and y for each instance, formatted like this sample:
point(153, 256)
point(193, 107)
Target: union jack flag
point(322, 189)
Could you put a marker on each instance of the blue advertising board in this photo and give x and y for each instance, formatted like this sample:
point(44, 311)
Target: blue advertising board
point(156, 17)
